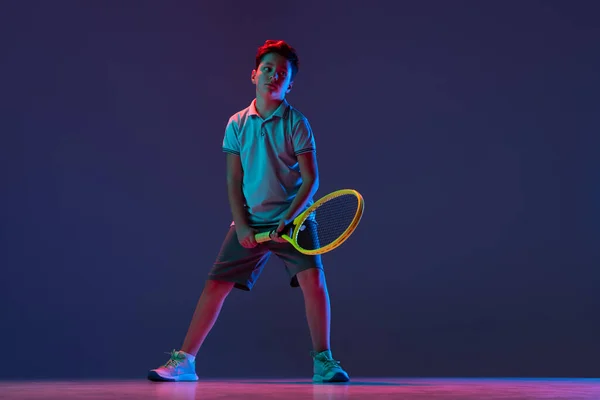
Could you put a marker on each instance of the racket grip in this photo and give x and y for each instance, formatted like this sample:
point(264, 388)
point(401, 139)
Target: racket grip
point(262, 237)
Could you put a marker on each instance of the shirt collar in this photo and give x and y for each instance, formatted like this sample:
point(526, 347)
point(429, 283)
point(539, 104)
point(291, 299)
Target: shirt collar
point(280, 112)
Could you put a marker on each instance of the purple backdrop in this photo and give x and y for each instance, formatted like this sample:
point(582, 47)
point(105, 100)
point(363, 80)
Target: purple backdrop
point(471, 128)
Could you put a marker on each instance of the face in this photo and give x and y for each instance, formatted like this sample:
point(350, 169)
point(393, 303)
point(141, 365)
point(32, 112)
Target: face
point(273, 76)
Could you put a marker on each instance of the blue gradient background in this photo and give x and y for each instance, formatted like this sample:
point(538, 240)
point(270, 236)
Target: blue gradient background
point(471, 128)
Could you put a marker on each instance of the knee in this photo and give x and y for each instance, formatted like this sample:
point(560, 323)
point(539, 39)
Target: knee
point(312, 280)
point(216, 288)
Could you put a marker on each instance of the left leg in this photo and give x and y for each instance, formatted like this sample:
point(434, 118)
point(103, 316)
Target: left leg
point(307, 272)
point(318, 309)
point(318, 313)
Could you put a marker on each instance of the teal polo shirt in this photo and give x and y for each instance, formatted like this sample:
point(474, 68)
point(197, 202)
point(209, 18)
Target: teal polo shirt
point(268, 149)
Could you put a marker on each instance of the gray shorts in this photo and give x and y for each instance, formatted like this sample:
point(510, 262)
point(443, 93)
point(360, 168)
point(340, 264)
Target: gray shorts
point(243, 266)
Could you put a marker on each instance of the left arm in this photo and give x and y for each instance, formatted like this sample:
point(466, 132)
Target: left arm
point(310, 183)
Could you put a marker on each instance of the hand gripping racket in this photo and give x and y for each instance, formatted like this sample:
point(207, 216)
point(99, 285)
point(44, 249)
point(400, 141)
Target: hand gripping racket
point(335, 218)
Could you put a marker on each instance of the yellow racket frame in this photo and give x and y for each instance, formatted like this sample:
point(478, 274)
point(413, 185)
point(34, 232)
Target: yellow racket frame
point(299, 220)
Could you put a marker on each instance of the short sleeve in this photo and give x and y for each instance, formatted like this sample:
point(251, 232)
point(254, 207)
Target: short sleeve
point(231, 141)
point(303, 138)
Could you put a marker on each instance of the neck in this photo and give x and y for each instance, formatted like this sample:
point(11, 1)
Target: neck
point(266, 107)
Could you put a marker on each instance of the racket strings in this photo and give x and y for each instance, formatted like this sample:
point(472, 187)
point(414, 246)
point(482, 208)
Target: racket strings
point(328, 222)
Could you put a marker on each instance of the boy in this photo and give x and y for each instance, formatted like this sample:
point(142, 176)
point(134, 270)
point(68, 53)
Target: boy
point(272, 176)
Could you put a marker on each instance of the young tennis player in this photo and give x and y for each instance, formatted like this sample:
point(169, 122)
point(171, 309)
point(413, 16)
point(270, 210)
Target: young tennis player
point(272, 176)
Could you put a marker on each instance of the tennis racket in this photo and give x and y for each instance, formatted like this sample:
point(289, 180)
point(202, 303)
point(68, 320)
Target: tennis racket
point(325, 225)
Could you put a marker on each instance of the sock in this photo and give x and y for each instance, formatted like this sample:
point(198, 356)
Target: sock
point(325, 352)
point(188, 356)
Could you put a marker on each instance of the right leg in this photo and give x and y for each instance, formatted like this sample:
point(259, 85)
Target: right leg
point(182, 364)
point(235, 266)
point(207, 311)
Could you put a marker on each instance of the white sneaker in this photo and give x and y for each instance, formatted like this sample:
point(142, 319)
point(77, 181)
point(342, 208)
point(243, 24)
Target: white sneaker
point(326, 369)
point(181, 367)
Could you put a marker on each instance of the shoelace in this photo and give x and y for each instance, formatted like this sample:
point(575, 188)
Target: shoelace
point(327, 362)
point(331, 363)
point(174, 361)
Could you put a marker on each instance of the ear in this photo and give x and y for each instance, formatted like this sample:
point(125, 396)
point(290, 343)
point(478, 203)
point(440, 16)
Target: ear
point(253, 76)
point(289, 87)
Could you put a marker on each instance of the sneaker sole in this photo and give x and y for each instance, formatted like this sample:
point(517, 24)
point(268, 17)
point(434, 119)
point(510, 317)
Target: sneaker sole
point(338, 377)
point(155, 377)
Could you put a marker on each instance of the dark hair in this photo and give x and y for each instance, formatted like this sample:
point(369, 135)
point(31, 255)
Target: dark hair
point(283, 49)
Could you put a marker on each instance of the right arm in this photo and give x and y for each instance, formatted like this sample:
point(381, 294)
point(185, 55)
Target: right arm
point(235, 175)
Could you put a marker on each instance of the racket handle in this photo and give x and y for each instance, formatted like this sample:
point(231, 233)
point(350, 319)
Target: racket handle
point(262, 237)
